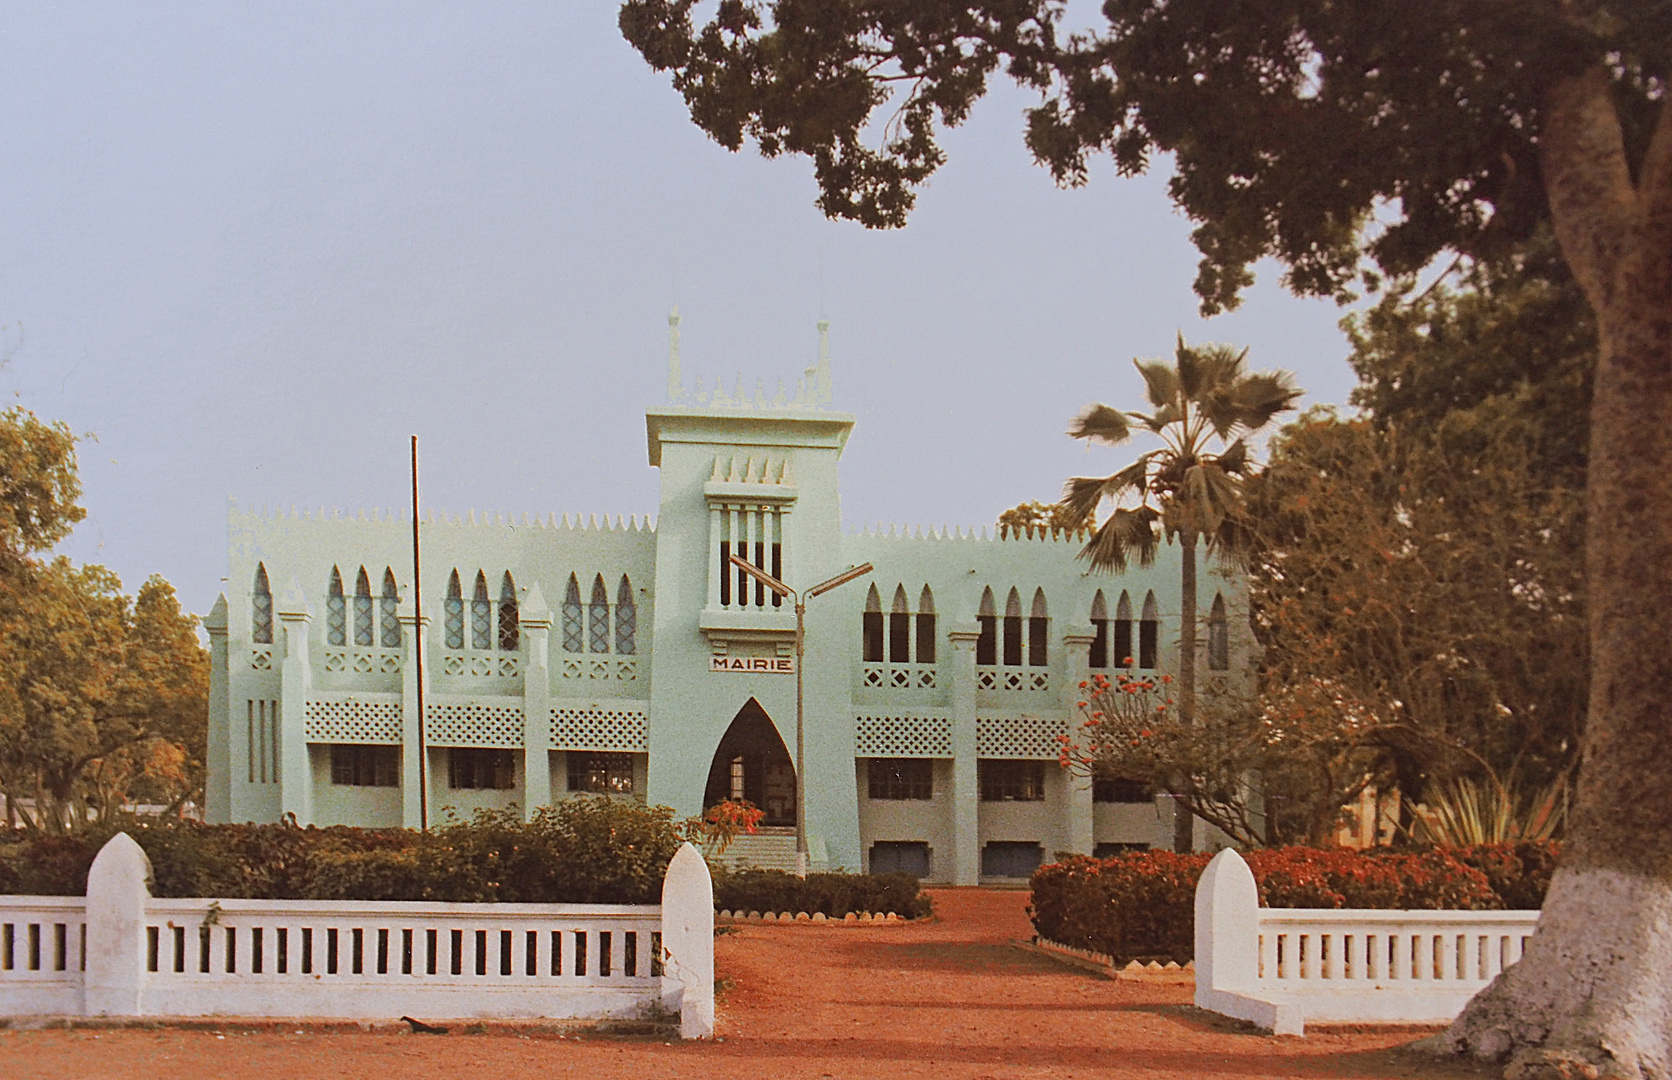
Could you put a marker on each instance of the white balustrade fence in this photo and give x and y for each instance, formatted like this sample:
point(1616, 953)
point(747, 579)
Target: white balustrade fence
point(1280, 967)
point(122, 952)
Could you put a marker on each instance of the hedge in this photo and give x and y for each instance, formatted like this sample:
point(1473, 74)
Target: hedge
point(1141, 905)
point(833, 894)
point(579, 851)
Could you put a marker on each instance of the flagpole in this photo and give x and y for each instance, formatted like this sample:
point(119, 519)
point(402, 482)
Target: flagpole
point(418, 650)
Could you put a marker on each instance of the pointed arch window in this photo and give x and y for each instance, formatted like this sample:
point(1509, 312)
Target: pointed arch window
point(899, 628)
point(1149, 634)
point(926, 627)
point(510, 627)
point(481, 615)
point(336, 610)
point(1039, 627)
point(626, 619)
point(362, 608)
point(1123, 631)
point(261, 608)
point(1013, 629)
point(1099, 655)
point(389, 619)
point(452, 613)
point(598, 618)
point(573, 631)
point(1219, 636)
point(987, 645)
point(871, 626)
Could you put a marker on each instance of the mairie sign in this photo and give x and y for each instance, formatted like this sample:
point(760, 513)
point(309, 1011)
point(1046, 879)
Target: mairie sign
point(754, 665)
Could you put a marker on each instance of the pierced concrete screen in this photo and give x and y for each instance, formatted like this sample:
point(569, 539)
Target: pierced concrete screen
point(902, 737)
point(473, 723)
point(353, 720)
point(1019, 737)
point(599, 729)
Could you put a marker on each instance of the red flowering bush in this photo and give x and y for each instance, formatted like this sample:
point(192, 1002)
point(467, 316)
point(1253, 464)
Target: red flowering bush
point(1141, 905)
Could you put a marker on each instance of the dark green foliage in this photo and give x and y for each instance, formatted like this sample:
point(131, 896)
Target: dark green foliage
point(580, 851)
point(833, 894)
point(1141, 905)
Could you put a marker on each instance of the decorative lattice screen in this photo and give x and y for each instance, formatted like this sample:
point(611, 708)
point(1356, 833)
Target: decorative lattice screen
point(902, 736)
point(473, 723)
point(361, 719)
point(599, 729)
point(1019, 737)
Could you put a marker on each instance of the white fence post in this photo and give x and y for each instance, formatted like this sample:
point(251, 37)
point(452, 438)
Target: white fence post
point(688, 943)
point(1227, 925)
point(116, 896)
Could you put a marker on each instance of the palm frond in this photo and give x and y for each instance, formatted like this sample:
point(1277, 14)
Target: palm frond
point(1465, 812)
point(1126, 535)
point(1082, 494)
point(1161, 382)
point(1261, 396)
point(1099, 423)
point(1234, 459)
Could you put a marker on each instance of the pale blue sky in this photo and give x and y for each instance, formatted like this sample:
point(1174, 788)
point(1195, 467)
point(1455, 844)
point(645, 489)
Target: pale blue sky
point(253, 248)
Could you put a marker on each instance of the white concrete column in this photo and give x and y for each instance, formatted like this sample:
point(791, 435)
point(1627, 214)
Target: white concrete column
point(536, 620)
point(1076, 655)
point(295, 772)
point(688, 943)
point(415, 628)
point(218, 754)
point(966, 794)
point(116, 896)
point(713, 559)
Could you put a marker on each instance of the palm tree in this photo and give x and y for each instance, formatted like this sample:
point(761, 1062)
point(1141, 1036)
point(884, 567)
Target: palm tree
point(1183, 491)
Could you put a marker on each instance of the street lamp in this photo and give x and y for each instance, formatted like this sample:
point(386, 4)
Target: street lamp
point(781, 589)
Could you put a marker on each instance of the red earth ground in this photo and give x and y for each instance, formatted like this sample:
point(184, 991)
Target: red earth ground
point(950, 997)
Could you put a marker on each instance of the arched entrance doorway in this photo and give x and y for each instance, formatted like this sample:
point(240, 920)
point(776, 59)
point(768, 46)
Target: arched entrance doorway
point(752, 763)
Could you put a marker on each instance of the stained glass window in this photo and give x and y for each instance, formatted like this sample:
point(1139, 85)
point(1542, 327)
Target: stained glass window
point(389, 620)
point(509, 637)
point(598, 618)
point(362, 609)
point(452, 613)
point(572, 629)
point(261, 609)
point(481, 615)
point(336, 611)
point(626, 619)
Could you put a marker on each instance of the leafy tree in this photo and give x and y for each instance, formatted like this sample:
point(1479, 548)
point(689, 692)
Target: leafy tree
point(1026, 519)
point(1203, 398)
point(1349, 141)
point(38, 486)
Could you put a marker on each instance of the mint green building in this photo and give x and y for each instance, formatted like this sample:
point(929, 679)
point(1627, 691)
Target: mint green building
point(623, 658)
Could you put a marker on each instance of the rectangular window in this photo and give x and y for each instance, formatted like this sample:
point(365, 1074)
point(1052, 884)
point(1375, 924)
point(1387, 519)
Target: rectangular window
point(899, 637)
point(726, 572)
point(871, 625)
point(926, 638)
point(362, 620)
point(900, 857)
point(986, 646)
point(477, 768)
point(1123, 643)
point(1149, 641)
point(1012, 641)
point(1038, 628)
point(601, 774)
point(901, 778)
point(1099, 655)
point(1010, 781)
point(452, 610)
point(481, 624)
point(1011, 858)
point(1121, 791)
point(365, 766)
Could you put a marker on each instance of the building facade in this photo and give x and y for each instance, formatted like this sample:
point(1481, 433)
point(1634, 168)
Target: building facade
point(562, 657)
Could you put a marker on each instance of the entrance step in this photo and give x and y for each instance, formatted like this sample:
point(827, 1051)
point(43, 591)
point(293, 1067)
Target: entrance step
point(764, 849)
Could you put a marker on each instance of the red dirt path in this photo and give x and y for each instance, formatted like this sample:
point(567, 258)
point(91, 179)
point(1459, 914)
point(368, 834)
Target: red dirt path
point(949, 998)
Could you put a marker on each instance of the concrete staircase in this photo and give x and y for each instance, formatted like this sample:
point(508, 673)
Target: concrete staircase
point(767, 848)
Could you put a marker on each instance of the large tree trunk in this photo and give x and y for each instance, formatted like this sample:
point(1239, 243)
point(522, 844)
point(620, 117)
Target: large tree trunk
point(1593, 994)
point(1184, 819)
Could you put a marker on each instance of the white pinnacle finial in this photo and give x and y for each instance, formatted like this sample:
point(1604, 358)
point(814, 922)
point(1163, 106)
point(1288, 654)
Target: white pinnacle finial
point(676, 381)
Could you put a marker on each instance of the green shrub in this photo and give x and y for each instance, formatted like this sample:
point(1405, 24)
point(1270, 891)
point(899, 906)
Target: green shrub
point(1141, 905)
point(596, 851)
point(833, 894)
